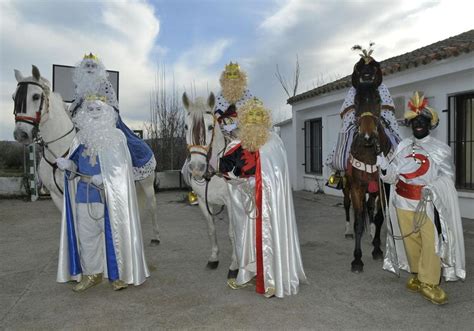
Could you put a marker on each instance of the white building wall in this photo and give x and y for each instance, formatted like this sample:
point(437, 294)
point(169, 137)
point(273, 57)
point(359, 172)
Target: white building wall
point(438, 81)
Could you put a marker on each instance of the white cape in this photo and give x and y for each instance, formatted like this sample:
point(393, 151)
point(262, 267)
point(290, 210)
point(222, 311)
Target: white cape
point(449, 245)
point(120, 195)
point(282, 263)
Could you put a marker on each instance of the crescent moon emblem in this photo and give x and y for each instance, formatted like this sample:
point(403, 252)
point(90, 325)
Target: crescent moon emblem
point(423, 169)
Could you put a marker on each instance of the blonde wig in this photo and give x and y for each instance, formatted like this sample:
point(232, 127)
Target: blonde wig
point(253, 136)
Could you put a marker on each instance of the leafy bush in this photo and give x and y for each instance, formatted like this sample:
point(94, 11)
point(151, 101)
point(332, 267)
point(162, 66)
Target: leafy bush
point(11, 155)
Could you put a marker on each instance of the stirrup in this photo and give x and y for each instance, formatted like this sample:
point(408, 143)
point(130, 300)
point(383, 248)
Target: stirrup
point(335, 181)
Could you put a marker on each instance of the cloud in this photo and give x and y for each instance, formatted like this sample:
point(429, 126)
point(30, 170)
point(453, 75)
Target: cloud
point(196, 68)
point(122, 33)
point(322, 33)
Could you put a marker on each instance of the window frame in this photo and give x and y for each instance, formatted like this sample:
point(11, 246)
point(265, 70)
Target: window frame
point(309, 148)
point(459, 139)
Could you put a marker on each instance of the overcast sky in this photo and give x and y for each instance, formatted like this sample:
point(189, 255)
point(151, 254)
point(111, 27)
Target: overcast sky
point(194, 39)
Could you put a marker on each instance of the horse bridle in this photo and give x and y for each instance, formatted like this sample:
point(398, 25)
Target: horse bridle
point(34, 121)
point(377, 121)
point(207, 154)
point(206, 151)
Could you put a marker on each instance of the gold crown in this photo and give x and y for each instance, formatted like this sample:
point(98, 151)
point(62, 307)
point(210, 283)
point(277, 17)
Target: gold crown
point(232, 66)
point(90, 57)
point(253, 104)
point(94, 97)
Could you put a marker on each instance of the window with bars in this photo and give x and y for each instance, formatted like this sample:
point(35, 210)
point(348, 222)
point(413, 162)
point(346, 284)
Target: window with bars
point(461, 137)
point(313, 146)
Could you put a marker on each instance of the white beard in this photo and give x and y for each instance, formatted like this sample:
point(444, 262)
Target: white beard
point(88, 84)
point(97, 135)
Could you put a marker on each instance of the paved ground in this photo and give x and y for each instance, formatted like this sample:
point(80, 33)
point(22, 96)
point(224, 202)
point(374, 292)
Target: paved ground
point(181, 293)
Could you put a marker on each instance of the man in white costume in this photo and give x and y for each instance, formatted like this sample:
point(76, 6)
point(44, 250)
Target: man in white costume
point(425, 234)
point(91, 78)
point(100, 231)
point(266, 236)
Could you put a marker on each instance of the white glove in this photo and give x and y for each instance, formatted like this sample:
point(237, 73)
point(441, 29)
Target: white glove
point(64, 164)
point(97, 180)
point(382, 162)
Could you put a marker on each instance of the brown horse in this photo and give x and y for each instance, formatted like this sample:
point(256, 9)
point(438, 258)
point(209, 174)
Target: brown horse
point(368, 142)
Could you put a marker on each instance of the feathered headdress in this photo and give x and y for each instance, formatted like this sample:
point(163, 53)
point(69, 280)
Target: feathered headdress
point(418, 105)
point(366, 54)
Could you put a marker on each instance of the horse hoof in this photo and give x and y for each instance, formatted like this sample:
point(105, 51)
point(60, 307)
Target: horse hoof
point(212, 265)
point(349, 236)
point(154, 242)
point(377, 255)
point(357, 267)
point(232, 273)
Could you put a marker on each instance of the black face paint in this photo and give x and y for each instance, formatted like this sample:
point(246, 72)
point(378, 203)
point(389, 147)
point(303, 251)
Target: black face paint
point(421, 126)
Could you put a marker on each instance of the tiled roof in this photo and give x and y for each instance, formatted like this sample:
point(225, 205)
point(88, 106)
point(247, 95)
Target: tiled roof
point(454, 46)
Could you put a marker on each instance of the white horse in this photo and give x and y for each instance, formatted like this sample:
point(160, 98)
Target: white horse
point(39, 110)
point(206, 144)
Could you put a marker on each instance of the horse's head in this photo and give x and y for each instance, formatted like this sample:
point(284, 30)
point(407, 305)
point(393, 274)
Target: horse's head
point(368, 128)
point(200, 126)
point(367, 75)
point(31, 99)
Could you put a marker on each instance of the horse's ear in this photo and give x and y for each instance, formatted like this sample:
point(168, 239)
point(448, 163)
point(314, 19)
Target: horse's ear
point(185, 101)
point(19, 77)
point(36, 73)
point(211, 101)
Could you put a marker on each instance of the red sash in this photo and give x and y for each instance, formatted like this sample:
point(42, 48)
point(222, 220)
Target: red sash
point(260, 285)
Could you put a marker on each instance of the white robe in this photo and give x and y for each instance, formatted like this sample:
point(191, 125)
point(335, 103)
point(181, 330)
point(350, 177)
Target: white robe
point(282, 263)
point(439, 178)
point(121, 199)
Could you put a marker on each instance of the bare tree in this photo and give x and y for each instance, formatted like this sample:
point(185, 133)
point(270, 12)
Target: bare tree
point(290, 87)
point(165, 129)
